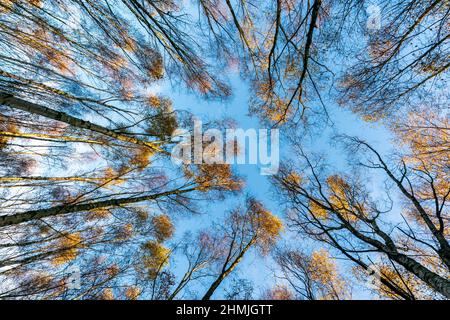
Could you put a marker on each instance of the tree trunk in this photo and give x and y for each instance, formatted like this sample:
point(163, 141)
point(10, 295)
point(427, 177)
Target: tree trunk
point(227, 271)
point(74, 178)
point(18, 218)
point(16, 103)
point(435, 281)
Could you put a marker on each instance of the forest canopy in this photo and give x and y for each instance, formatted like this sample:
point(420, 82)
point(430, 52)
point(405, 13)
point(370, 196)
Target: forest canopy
point(94, 93)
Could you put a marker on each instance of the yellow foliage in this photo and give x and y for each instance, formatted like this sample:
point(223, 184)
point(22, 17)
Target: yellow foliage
point(278, 111)
point(163, 227)
point(100, 213)
point(293, 178)
point(8, 127)
point(41, 280)
point(125, 232)
point(129, 44)
point(107, 294)
point(6, 6)
point(371, 117)
point(116, 62)
point(141, 157)
point(59, 60)
point(267, 226)
point(141, 214)
point(156, 69)
point(156, 257)
point(322, 268)
point(132, 293)
point(270, 226)
point(405, 281)
point(110, 176)
point(112, 270)
point(428, 136)
point(339, 198)
point(279, 292)
point(154, 101)
point(219, 176)
point(338, 185)
point(317, 211)
point(37, 3)
point(69, 245)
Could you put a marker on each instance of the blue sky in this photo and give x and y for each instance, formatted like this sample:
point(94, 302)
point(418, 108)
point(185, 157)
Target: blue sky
point(261, 270)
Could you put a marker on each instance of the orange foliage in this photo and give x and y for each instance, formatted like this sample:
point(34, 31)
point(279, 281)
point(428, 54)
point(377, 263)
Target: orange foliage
point(155, 258)
point(112, 270)
point(317, 211)
point(125, 232)
point(107, 294)
point(293, 178)
point(97, 214)
point(37, 3)
point(8, 127)
point(163, 227)
point(279, 292)
point(132, 293)
point(267, 226)
point(154, 101)
point(341, 198)
point(68, 247)
point(216, 176)
point(141, 157)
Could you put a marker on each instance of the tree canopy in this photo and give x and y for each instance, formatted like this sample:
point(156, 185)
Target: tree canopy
point(90, 112)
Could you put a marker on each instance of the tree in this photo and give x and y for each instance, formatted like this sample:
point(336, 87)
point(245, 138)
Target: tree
point(62, 64)
point(87, 186)
point(278, 292)
point(402, 60)
point(240, 289)
point(312, 277)
point(201, 253)
point(339, 211)
point(35, 109)
point(244, 229)
point(276, 49)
